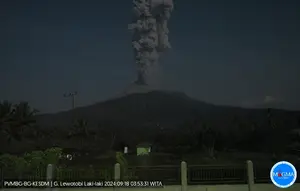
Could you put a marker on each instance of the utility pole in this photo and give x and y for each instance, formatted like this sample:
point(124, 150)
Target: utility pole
point(71, 95)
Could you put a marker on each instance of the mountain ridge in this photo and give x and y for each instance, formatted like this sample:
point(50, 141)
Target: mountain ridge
point(169, 108)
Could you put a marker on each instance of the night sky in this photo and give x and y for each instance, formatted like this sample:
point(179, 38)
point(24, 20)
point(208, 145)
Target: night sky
point(230, 52)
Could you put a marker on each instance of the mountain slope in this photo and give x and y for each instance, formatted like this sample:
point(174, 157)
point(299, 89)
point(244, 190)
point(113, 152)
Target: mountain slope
point(170, 109)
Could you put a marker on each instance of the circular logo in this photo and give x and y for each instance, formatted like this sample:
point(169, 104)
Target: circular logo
point(283, 174)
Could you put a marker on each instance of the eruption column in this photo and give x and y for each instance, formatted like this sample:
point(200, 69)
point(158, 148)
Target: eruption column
point(150, 36)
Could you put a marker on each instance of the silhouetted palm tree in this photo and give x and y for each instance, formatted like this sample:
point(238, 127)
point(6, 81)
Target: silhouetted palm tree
point(6, 110)
point(14, 119)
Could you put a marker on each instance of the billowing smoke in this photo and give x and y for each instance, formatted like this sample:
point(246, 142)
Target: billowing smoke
point(150, 37)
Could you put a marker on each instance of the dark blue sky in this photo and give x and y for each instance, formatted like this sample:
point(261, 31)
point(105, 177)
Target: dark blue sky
point(224, 51)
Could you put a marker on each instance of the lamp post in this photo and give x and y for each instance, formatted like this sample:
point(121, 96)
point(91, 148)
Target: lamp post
point(71, 95)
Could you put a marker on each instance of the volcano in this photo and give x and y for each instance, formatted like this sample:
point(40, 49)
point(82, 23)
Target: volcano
point(140, 107)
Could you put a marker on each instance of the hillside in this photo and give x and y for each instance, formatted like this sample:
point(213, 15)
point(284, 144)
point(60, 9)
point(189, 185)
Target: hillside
point(168, 109)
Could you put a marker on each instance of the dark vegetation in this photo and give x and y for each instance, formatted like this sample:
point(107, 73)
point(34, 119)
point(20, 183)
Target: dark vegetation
point(180, 128)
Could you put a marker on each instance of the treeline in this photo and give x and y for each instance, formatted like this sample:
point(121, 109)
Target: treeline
point(21, 133)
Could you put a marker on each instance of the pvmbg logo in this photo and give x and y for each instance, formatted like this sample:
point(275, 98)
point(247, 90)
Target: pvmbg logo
point(283, 174)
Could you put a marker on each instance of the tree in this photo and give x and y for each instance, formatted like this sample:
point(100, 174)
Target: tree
point(15, 119)
point(108, 132)
point(295, 141)
point(80, 129)
point(276, 136)
point(208, 138)
point(6, 111)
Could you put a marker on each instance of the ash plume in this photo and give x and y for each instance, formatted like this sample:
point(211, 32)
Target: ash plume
point(150, 37)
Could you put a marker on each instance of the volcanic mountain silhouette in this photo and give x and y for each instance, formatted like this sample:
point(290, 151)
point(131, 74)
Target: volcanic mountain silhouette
point(170, 109)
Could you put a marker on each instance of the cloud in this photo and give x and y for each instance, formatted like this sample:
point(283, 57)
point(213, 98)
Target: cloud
point(266, 101)
point(270, 102)
point(269, 99)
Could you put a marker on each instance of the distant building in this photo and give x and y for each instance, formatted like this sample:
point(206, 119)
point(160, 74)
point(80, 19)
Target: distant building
point(143, 149)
